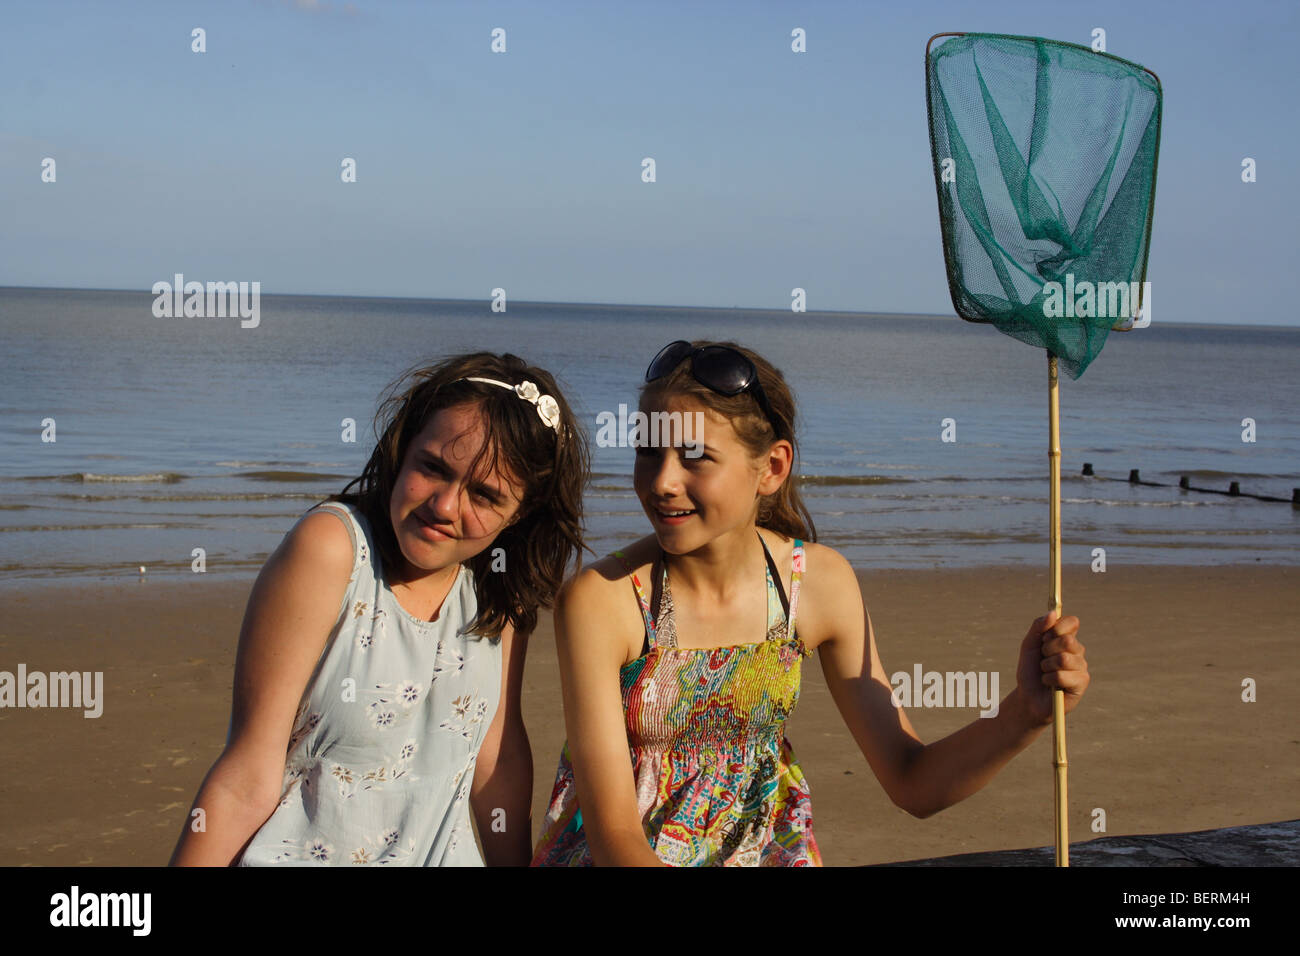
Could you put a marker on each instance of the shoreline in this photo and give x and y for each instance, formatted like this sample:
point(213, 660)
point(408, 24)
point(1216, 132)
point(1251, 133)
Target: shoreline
point(1162, 741)
point(245, 572)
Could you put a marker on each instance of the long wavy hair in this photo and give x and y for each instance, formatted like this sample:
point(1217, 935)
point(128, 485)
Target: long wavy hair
point(547, 531)
point(783, 511)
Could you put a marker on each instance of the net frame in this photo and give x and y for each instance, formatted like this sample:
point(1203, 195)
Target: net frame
point(965, 305)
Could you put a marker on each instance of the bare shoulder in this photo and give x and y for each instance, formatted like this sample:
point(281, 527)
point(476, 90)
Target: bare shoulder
point(308, 573)
point(823, 567)
point(609, 575)
point(322, 535)
point(597, 607)
point(827, 564)
point(832, 595)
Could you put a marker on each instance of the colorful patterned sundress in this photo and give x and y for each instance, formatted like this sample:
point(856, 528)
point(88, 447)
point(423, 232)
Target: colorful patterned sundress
point(716, 780)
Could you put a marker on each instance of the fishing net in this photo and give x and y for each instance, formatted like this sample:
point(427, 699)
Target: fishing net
point(1045, 163)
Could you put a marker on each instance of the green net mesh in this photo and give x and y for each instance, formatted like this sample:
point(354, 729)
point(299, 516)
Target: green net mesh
point(1045, 164)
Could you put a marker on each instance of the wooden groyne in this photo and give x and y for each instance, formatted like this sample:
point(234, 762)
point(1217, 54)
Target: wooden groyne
point(1185, 483)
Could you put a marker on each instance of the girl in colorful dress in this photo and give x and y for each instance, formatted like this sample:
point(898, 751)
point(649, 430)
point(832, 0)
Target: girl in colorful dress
point(680, 657)
point(378, 675)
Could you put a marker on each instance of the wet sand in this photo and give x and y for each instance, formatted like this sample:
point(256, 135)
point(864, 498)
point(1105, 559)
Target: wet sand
point(1162, 741)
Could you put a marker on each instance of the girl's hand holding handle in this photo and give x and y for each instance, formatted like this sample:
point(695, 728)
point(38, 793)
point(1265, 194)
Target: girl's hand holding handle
point(1051, 658)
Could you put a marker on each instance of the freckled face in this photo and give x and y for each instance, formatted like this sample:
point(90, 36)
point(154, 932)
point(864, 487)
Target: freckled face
point(441, 514)
point(692, 501)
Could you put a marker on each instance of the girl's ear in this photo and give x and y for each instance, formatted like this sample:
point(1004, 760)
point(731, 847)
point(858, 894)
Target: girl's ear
point(776, 467)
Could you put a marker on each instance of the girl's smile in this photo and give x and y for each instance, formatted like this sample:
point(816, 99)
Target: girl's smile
point(433, 530)
point(671, 517)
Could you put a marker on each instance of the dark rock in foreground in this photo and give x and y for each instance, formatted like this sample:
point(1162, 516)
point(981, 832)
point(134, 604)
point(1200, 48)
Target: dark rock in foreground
point(1264, 844)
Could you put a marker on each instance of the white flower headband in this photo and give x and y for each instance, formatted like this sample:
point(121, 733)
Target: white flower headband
point(548, 409)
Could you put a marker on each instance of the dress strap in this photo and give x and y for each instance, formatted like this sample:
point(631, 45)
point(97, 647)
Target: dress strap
point(796, 575)
point(667, 633)
point(773, 583)
point(641, 598)
point(775, 589)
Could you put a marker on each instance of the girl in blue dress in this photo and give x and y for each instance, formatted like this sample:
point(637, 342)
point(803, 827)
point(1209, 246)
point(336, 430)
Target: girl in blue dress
point(377, 682)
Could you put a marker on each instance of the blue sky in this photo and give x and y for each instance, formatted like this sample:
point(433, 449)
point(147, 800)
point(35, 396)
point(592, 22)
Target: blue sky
point(523, 170)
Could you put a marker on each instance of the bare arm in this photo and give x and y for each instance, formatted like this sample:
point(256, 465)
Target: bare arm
point(502, 793)
point(292, 609)
point(590, 661)
point(926, 778)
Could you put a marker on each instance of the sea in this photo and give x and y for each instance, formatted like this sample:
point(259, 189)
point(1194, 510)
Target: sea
point(923, 439)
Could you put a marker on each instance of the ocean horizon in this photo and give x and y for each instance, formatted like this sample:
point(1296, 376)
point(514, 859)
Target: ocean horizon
point(923, 439)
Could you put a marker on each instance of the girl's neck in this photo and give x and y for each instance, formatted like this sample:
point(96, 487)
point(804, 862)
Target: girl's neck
point(421, 581)
point(720, 567)
point(424, 596)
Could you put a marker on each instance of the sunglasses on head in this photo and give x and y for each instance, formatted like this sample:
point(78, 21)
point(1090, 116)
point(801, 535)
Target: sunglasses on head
point(717, 367)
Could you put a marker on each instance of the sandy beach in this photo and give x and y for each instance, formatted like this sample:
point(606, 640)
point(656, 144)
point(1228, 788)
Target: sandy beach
point(1161, 743)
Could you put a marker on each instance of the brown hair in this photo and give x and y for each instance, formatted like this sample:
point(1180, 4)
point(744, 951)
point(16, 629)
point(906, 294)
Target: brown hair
point(783, 511)
point(547, 531)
